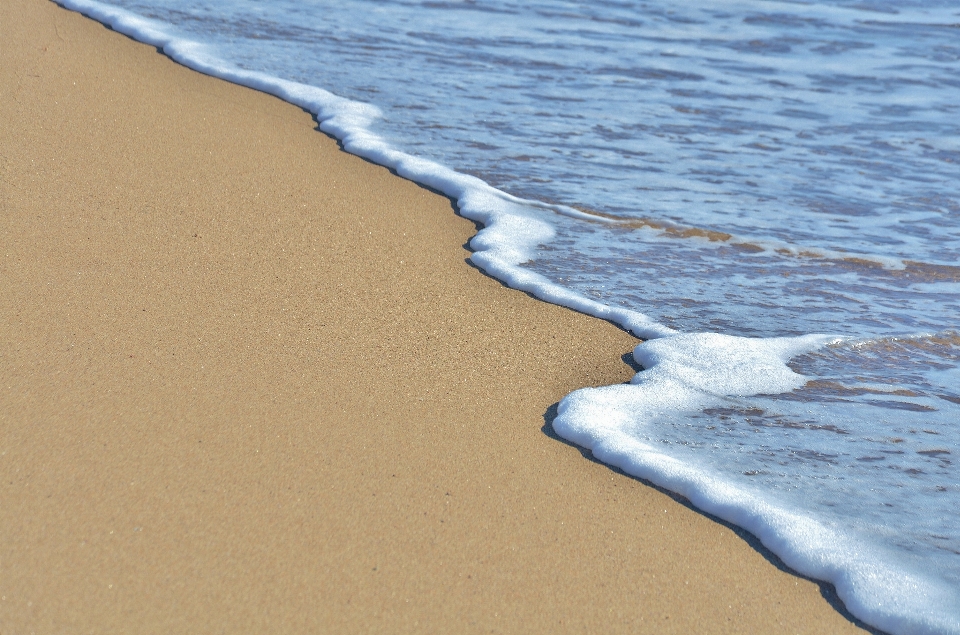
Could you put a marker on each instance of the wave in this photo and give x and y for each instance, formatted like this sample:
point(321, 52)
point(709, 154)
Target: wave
point(685, 372)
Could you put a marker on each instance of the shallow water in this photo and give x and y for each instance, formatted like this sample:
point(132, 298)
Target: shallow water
point(754, 169)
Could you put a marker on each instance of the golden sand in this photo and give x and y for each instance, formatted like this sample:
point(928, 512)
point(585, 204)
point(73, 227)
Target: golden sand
point(248, 384)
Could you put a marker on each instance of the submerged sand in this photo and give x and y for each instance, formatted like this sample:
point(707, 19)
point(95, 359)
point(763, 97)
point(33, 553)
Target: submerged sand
point(249, 384)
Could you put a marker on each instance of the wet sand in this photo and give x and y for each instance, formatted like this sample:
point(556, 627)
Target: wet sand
point(249, 384)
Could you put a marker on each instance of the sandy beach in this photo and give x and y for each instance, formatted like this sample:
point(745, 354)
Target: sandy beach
point(249, 384)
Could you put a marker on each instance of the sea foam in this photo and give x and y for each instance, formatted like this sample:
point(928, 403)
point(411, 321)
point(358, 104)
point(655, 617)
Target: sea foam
point(695, 380)
point(691, 372)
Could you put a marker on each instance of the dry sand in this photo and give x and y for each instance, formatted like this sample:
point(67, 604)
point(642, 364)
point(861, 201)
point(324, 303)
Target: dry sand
point(248, 384)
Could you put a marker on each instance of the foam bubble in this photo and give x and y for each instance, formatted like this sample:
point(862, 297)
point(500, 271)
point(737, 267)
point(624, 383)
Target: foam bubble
point(691, 372)
point(688, 373)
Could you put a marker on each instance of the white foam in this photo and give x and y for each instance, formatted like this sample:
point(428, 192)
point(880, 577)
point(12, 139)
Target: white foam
point(684, 371)
point(691, 372)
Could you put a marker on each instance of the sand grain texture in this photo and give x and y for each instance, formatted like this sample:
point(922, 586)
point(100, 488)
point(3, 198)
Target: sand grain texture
point(249, 385)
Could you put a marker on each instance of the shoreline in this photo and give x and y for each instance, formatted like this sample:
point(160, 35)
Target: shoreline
point(249, 384)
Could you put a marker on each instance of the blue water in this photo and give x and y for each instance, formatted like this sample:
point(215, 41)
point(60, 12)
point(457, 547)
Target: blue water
point(726, 178)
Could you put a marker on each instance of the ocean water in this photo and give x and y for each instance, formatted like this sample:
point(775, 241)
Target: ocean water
point(767, 192)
